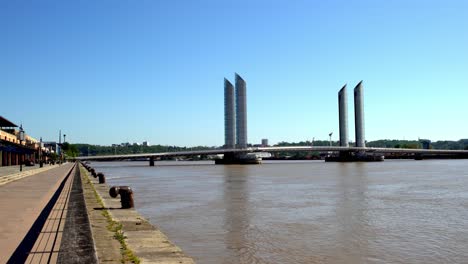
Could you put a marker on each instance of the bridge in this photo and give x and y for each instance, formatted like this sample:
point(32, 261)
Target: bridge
point(235, 150)
point(257, 150)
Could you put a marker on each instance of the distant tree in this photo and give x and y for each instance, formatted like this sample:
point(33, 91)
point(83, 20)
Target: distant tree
point(411, 146)
point(72, 151)
point(65, 146)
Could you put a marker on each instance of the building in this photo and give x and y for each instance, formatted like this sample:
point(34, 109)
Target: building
point(264, 142)
point(145, 144)
point(13, 149)
point(51, 147)
point(426, 143)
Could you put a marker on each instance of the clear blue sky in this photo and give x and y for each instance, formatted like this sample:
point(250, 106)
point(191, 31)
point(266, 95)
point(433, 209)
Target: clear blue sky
point(115, 71)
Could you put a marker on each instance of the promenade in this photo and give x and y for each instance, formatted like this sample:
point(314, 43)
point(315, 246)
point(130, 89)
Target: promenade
point(8, 170)
point(33, 211)
point(49, 215)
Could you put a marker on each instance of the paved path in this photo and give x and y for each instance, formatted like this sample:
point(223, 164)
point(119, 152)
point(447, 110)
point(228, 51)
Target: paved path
point(7, 170)
point(12, 173)
point(23, 204)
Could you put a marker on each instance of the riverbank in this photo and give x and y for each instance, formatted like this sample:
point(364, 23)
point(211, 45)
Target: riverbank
point(123, 235)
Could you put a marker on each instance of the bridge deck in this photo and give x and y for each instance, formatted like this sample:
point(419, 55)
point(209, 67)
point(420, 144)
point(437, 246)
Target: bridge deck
point(276, 149)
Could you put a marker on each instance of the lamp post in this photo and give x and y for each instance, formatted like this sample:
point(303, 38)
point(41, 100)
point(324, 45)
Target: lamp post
point(330, 135)
point(40, 154)
point(21, 138)
point(64, 136)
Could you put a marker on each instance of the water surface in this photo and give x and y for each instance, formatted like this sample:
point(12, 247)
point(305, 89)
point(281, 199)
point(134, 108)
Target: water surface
point(306, 212)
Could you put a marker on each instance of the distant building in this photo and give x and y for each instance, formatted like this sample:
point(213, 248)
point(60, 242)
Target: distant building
point(51, 147)
point(264, 142)
point(145, 144)
point(426, 143)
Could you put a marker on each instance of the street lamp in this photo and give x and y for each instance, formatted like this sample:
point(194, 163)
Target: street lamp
point(64, 136)
point(21, 138)
point(330, 135)
point(40, 154)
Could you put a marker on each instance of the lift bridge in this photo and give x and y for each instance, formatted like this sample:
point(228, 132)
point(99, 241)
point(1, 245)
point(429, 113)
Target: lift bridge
point(235, 149)
point(259, 152)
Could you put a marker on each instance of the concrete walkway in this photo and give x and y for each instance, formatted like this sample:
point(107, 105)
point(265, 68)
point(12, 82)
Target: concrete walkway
point(13, 173)
point(32, 211)
point(7, 170)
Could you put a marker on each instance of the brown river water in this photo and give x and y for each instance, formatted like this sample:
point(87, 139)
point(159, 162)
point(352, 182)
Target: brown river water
point(306, 211)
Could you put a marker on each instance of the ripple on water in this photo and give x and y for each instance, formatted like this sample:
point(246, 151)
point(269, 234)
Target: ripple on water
point(307, 212)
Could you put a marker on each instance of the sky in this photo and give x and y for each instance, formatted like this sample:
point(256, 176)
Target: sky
point(112, 71)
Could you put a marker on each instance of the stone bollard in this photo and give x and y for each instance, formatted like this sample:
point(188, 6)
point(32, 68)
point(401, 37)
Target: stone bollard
point(102, 178)
point(126, 195)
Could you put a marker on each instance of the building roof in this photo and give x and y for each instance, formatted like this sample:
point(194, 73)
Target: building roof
point(6, 123)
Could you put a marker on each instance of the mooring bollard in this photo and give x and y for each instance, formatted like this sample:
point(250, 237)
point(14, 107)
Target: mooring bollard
point(102, 178)
point(126, 195)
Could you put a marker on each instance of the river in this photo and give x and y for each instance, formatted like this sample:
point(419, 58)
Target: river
point(397, 211)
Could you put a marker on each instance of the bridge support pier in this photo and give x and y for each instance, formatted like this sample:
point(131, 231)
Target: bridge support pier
point(232, 158)
point(151, 162)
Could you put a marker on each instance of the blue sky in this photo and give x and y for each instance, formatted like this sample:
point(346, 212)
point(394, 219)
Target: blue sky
point(128, 71)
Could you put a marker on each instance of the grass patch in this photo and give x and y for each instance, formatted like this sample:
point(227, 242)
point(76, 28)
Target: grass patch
point(127, 255)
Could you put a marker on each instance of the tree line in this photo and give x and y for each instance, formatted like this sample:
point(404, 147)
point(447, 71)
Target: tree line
point(73, 150)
